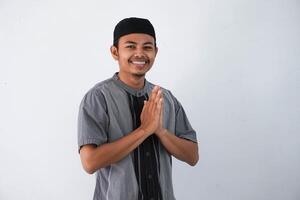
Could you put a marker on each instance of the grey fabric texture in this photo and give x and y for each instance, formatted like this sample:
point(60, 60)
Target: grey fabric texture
point(105, 116)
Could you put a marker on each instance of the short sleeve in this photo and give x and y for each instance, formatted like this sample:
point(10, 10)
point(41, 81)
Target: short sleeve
point(92, 120)
point(183, 127)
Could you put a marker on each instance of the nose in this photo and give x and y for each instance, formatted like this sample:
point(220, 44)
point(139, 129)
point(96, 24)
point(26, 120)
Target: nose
point(139, 52)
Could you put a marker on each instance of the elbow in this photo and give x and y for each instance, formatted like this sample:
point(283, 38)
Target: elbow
point(88, 165)
point(194, 160)
point(88, 168)
point(87, 159)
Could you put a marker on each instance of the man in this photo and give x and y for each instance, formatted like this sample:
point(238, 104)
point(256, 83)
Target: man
point(128, 128)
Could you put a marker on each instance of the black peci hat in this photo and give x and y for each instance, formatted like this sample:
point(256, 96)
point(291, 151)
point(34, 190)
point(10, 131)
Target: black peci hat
point(133, 25)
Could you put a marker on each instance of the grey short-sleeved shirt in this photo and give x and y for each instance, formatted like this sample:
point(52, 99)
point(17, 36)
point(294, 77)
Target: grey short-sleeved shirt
point(105, 116)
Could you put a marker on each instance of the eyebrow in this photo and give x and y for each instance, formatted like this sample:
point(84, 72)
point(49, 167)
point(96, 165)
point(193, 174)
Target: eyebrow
point(146, 43)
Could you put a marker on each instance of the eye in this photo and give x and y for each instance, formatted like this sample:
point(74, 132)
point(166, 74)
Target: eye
point(148, 47)
point(130, 46)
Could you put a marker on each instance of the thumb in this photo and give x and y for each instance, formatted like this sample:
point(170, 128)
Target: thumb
point(145, 103)
point(144, 107)
point(144, 110)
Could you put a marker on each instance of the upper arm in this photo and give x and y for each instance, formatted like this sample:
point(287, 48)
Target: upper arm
point(93, 120)
point(183, 128)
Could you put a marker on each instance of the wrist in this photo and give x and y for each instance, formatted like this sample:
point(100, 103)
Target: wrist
point(144, 130)
point(160, 132)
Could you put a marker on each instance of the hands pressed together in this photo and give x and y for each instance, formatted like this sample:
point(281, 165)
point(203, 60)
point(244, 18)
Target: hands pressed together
point(152, 123)
point(152, 113)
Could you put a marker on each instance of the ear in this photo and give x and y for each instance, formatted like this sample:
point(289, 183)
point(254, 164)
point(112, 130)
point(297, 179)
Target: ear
point(156, 50)
point(114, 52)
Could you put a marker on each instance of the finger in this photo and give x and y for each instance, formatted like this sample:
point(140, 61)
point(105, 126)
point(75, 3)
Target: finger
point(159, 106)
point(152, 100)
point(158, 96)
point(162, 103)
point(152, 106)
point(154, 103)
point(161, 113)
point(156, 100)
point(162, 109)
point(145, 107)
point(154, 93)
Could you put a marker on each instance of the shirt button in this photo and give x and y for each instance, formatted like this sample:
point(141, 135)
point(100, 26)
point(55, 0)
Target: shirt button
point(147, 153)
point(149, 176)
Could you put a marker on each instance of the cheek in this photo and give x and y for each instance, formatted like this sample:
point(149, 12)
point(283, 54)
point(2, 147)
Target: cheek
point(151, 57)
point(123, 57)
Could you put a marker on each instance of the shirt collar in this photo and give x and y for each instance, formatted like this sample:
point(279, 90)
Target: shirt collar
point(133, 91)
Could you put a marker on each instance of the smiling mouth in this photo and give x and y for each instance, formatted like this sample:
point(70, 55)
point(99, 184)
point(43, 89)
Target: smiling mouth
point(139, 62)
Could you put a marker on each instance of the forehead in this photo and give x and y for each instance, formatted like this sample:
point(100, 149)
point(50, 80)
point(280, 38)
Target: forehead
point(137, 38)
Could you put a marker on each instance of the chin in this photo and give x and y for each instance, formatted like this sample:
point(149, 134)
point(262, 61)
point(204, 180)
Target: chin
point(139, 74)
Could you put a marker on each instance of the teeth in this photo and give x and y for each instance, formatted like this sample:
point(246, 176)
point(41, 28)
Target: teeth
point(139, 62)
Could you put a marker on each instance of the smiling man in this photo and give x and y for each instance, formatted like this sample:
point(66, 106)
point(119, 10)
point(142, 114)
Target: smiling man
point(129, 128)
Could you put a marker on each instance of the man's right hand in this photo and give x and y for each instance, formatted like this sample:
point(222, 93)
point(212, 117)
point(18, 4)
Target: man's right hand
point(150, 116)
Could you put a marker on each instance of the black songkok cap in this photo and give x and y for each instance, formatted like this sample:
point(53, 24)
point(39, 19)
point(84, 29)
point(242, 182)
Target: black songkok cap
point(133, 25)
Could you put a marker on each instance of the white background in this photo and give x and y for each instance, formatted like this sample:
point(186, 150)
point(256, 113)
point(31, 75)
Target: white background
point(234, 65)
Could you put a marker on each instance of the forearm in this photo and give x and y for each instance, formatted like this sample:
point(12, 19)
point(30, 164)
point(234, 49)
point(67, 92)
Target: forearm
point(182, 149)
point(113, 152)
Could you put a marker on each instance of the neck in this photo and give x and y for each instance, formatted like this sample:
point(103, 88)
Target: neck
point(133, 81)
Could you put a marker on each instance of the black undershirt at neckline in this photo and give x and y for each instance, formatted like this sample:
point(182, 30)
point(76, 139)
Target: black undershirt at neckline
point(146, 156)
